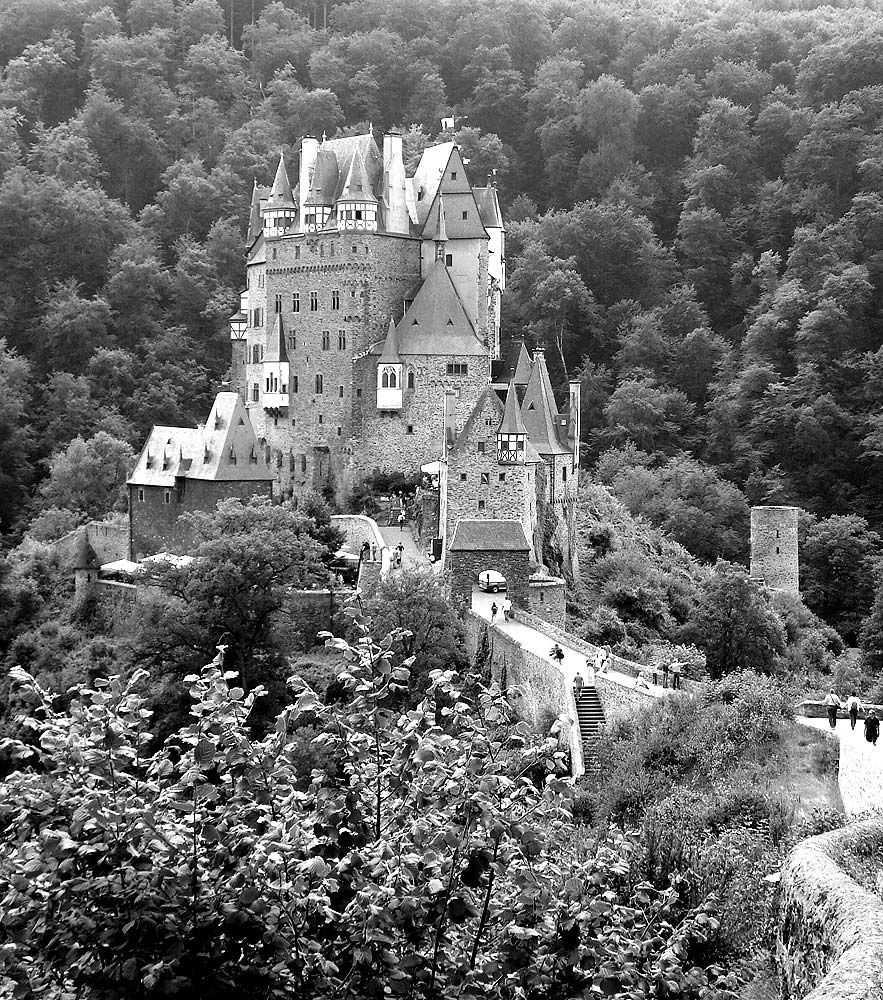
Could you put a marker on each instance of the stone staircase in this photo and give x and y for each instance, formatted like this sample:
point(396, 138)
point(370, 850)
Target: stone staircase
point(590, 715)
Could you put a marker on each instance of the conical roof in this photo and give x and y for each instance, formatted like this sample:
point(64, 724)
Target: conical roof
point(357, 186)
point(280, 194)
point(523, 366)
point(276, 343)
point(255, 225)
point(512, 422)
point(539, 411)
point(390, 353)
point(325, 179)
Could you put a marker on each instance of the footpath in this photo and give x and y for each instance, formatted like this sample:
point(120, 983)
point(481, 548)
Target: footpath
point(412, 557)
point(860, 774)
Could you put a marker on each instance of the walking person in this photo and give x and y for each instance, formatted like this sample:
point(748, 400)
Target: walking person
point(676, 668)
point(872, 727)
point(665, 669)
point(853, 707)
point(402, 519)
point(493, 612)
point(506, 605)
point(578, 684)
point(832, 703)
point(557, 653)
point(655, 672)
point(374, 552)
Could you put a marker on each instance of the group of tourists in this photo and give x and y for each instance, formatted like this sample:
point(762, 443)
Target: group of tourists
point(506, 607)
point(369, 552)
point(852, 706)
point(670, 671)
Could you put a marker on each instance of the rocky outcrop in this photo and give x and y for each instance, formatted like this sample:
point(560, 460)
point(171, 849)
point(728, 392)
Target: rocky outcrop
point(831, 929)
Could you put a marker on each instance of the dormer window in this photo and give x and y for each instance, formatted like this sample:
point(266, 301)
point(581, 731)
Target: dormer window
point(231, 458)
point(453, 175)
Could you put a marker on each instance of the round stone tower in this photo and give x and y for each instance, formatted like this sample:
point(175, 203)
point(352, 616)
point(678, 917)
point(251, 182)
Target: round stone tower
point(774, 558)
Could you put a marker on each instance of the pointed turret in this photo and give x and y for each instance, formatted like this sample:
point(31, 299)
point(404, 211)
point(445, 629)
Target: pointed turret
point(280, 210)
point(319, 204)
point(255, 223)
point(389, 373)
point(276, 369)
point(357, 205)
point(512, 433)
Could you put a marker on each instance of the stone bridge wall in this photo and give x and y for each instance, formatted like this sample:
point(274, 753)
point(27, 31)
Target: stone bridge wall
point(830, 943)
point(617, 700)
point(543, 693)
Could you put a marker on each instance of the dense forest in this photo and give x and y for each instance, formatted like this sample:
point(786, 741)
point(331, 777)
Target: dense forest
point(693, 193)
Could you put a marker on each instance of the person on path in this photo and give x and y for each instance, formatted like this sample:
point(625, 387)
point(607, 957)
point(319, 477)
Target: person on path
point(641, 680)
point(493, 612)
point(665, 668)
point(507, 608)
point(603, 662)
point(655, 672)
point(853, 707)
point(374, 552)
point(557, 653)
point(578, 683)
point(400, 551)
point(401, 520)
point(872, 727)
point(832, 703)
point(676, 668)
point(366, 551)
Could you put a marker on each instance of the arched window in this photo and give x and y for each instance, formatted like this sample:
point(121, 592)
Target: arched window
point(411, 379)
point(303, 463)
point(389, 379)
point(255, 354)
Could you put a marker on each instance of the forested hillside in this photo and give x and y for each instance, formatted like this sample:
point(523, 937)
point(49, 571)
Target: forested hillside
point(694, 199)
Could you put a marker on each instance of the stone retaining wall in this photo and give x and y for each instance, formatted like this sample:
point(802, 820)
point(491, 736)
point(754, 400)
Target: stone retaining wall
point(830, 943)
point(617, 700)
point(544, 692)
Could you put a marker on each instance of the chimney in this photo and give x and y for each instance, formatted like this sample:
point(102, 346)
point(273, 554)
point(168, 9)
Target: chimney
point(309, 147)
point(397, 220)
point(450, 417)
point(575, 421)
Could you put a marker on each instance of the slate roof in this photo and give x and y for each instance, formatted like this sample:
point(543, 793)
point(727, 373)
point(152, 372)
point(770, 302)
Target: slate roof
point(255, 223)
point(276, 342)
point(539, 411)
point(281, 194)
point(225, 449)
point(436, 322)
point(357, 186)
point(390, 353)
point(326, 176)
point(489, 535)
point(512, 422)
point(489, 206)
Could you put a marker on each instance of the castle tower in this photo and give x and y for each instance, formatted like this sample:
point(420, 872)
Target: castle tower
point(389, 373)
point(280, 211)
point(774, 555)
point(512, 434)
point(320, 203)
point(395, 185)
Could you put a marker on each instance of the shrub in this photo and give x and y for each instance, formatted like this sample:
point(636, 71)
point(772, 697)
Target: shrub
point(825, 757)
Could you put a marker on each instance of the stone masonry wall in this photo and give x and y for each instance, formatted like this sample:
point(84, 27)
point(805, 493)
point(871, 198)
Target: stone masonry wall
point(404, 440)
point(464, 568)
point(830, 944)
point(774, 553)
point(109, 541)
point(371, 274)
point(618, 701)
point(479, 486)
point(156, 525)
point(547, 600)
point(543, 692)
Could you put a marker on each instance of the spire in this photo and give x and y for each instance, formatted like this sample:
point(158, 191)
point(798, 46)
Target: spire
point(255, 225)
point(281, 195)
point(512, 422)
point(390, 353)
point(523, 366)
point(441, 234)
point(357, 186)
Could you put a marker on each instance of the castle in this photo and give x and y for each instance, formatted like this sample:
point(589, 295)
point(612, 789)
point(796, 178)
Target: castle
point(368, 339)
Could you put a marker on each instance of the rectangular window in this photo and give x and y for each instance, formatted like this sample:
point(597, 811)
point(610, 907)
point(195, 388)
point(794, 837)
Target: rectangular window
point(295, 302)
point(167, 496)
point(314, 301)
point(481, 505)
point(320, 385)
point(292, 342)
point(462, 477)
point(297, 253)
point(326, 340)
point(294, 383)
point(453, 175)
point(320, 418)
point(449, 260)
point(410, 429)
point(358, 393)
point(339, 431)
point(141, 496)
point(274, 253)
point(502, 477)
point(278, 305)
point(457, 368)
point(255, 392)
point(465, 214)
point(335, 299)
point(481, 447)
point(341, 340)
point(256, 317)
point(485, 479)
point(340, 392)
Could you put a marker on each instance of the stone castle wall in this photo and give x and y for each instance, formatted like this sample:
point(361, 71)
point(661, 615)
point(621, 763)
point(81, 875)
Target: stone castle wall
point(464, 568)
point(156, 526)
point(547, 600)
point(109, 541)
point(479, 486)
point(774, 551)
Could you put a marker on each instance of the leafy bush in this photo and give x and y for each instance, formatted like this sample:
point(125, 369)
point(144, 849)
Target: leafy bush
point(758, 706)
point(825, 758)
